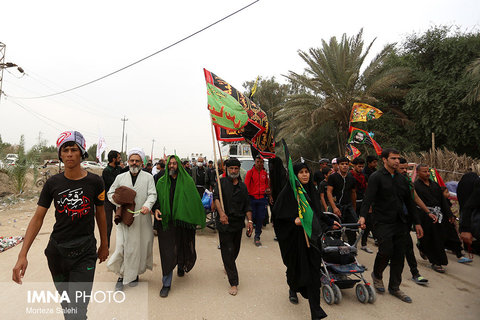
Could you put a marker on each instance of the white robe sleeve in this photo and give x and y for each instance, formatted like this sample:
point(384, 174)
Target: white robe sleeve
point(112, 189)
point(151, 193)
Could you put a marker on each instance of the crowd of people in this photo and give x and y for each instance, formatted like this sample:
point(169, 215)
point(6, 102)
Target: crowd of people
point(383, 200)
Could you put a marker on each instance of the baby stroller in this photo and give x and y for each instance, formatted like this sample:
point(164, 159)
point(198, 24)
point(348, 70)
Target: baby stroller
point(340, 268)
point(210, 214)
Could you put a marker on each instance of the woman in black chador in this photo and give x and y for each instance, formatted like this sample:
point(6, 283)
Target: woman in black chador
point(302, 262)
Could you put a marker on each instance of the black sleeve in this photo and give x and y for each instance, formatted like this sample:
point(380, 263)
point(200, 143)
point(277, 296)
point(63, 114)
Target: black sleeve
point(215, 192)
point(46, 197)
point(247, 206)
point(99, 191)
point(372, 188)
point(411, 206)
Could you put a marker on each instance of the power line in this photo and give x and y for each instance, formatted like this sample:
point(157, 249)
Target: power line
point(145, 58)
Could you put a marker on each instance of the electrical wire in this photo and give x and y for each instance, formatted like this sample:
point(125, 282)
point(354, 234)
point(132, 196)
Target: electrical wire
point(145, 58)
point(42, 118)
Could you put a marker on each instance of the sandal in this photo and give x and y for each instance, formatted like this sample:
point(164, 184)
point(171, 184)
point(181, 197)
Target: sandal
point(438, 268)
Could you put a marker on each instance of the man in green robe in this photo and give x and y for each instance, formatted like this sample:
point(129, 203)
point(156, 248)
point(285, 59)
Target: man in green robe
point(178, 211)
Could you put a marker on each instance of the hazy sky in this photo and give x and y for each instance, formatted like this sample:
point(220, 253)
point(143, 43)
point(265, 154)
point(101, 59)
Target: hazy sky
point(62, 44)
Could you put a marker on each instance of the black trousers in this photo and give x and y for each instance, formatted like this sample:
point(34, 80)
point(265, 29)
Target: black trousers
point(391, 247)
point(452, 241)
point(433, 240)
point(109, 214)
point(73, 274)
point(230, 247)
point(410, 255)
point(349, 216)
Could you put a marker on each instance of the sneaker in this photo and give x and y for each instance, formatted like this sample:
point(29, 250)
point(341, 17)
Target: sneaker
point(366, 249)
point(257, 242)
point(164, 292)
point(400, 295)
point(378, 284)
point(438, 268)
point(248, 234)
point(419, 280)
point(119, 285)
point(134, 283)
point(464, 260)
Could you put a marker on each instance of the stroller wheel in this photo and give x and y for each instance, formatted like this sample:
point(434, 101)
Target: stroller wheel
point(372, 296)
point(328, 294)
point(337, 293)
point(362, 293)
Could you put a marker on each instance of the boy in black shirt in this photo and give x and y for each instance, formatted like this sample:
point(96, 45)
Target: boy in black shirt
point(78, 198)
point(322, 188)
point(342, 197)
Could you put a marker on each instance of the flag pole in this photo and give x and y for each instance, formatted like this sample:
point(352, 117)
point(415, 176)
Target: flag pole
point(216, 168)
point(304, 232)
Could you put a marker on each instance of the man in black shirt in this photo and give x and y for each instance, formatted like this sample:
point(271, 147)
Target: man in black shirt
point(211, 178)
point(360, 187)
point(160, 172)
point(232, 210)
point(387, 193)
point(371, 166)
point(71, 253)
point(322, 188)
point(198, 174)
point(432, 244)
point(342, 195)
point(318, 176)
point(109, 174)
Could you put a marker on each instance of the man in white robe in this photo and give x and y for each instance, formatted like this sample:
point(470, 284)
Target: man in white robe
point(134, 244)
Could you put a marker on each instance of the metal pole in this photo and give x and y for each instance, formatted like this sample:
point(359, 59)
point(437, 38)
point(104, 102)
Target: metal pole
point(123, 131)
point(2, 62)
point(151, 154)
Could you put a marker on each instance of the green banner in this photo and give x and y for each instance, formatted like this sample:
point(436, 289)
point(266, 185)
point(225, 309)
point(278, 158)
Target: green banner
point(226, 112)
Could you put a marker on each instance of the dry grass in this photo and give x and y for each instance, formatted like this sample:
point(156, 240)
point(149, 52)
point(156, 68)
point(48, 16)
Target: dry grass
point(450, 165)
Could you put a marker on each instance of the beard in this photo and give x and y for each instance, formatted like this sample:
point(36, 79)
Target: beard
point(172, 172)
point(134, 169)
point(234, 175)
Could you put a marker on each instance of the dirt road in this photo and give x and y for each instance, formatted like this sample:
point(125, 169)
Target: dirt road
point(263, 292)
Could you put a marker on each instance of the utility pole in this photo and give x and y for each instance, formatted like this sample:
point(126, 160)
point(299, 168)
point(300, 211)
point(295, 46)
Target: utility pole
point(2, 62)
point(4, 65)
point(151, 154)
point(123, 131)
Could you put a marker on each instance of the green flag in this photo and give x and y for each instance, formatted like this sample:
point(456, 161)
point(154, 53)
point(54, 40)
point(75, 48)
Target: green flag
point(226, 111)
point(305, 212)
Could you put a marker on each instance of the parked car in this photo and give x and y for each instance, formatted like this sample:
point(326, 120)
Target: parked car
point(52, 163)
point(12, 156)
point(91, 165)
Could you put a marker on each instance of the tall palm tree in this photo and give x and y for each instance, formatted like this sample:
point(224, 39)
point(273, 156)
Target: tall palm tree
point(473, 73)
point(334, 80)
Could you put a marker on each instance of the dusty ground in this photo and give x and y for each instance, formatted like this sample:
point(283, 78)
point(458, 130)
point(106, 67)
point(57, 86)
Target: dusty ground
point(263, 293)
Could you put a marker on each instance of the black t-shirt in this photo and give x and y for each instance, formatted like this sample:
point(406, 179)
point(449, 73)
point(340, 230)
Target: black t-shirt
point(342, 187)
point(74, 202)
point(318, 177)
point(322, 188)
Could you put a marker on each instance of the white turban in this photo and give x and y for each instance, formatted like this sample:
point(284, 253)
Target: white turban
point(138, 151)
